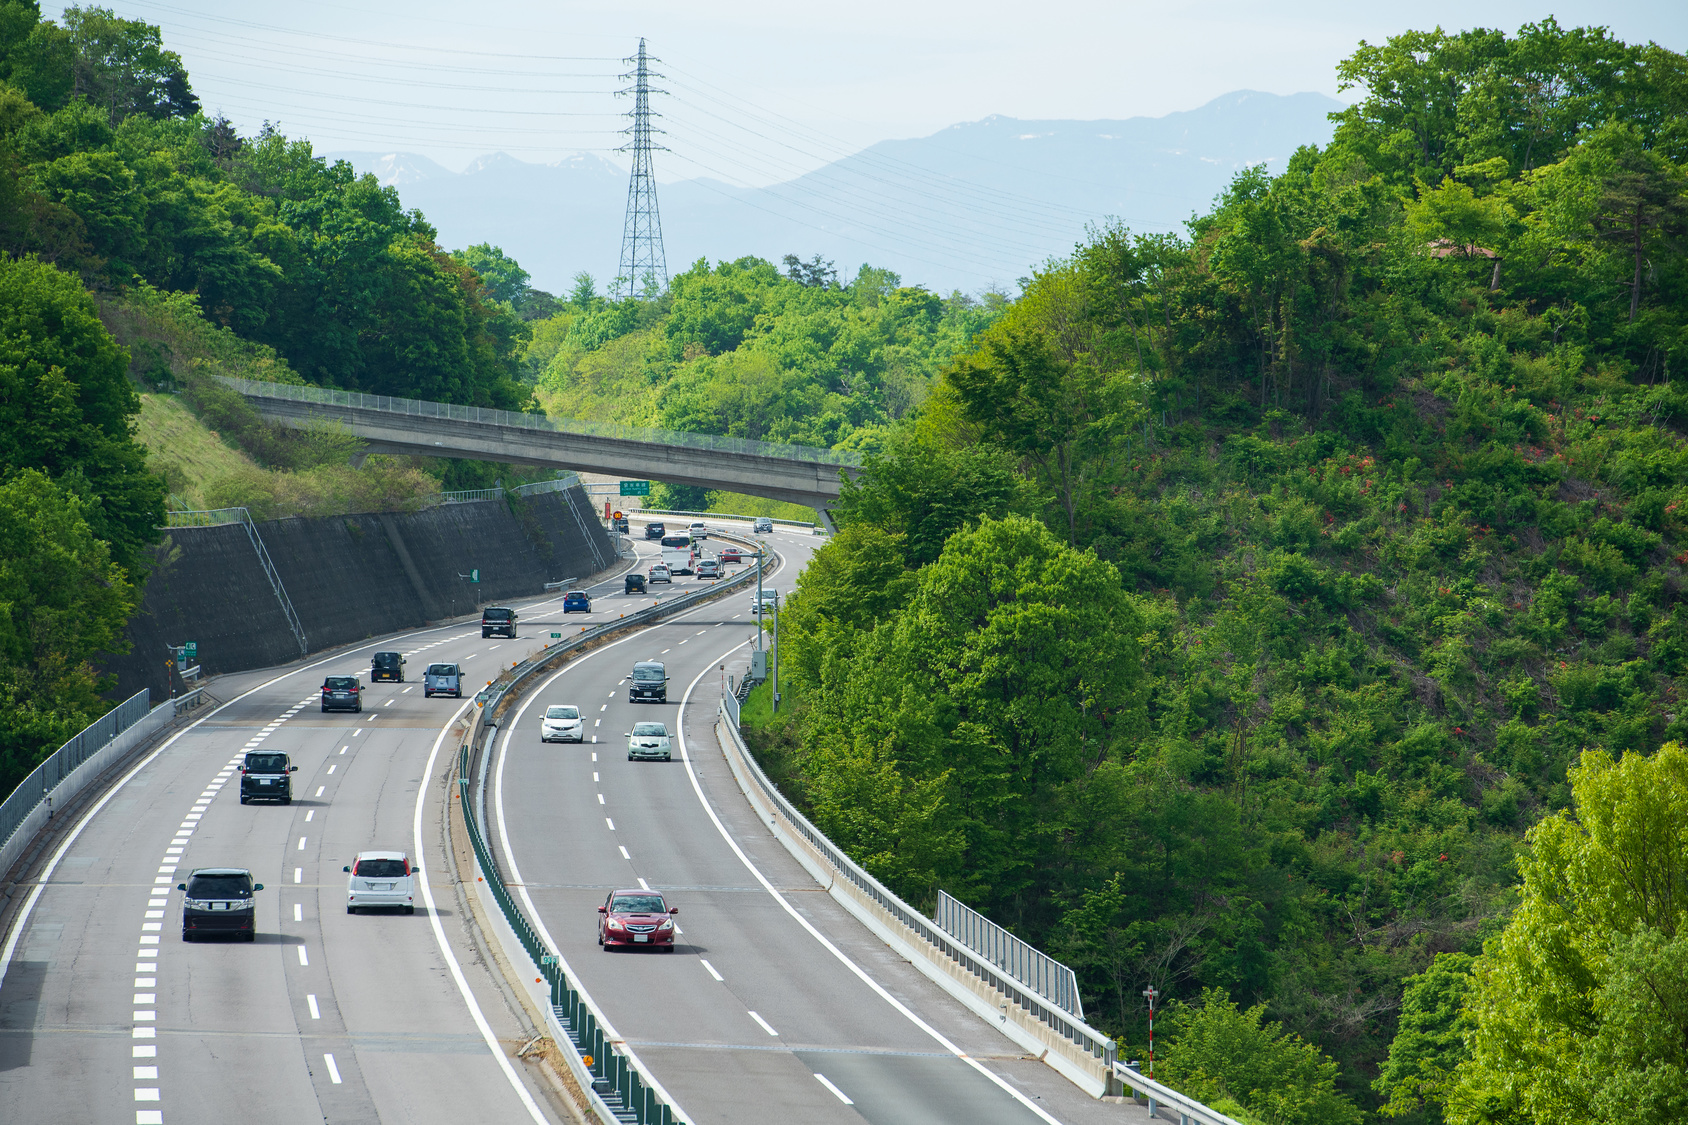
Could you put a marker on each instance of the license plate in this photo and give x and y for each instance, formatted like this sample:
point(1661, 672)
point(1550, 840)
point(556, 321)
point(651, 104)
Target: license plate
point(641, 937)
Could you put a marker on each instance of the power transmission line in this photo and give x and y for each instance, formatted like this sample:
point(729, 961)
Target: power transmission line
point(644, 267)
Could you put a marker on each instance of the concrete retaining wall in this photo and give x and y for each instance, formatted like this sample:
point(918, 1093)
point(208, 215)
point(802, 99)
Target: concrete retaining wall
point(350, 577)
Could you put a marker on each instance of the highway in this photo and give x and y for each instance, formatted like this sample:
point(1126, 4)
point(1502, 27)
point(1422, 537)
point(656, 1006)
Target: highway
point(755, 1011)
point(776, 1002)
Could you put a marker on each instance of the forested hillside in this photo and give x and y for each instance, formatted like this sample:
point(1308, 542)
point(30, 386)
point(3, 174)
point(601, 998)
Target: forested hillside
point(1236, 603)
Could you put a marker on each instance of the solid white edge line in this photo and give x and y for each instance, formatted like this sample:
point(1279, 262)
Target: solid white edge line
point(824, 1081)
point(439, 931)
point(843, 958)
point(521, 887)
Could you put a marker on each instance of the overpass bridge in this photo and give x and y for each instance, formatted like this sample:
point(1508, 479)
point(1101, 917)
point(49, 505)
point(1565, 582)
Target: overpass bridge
point(798, 474)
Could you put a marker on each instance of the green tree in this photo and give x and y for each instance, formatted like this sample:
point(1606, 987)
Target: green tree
point(122, 66)
point(1217, 1052)
point(1430, 1040)
point(1581, 1003)
point(63, 601)
point(66, 407)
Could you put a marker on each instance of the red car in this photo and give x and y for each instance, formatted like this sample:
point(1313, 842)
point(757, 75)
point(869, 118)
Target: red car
point(632, 918)
point(730, 554)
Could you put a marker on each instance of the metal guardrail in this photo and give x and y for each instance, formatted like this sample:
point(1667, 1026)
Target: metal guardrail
point(535, 488)
point(630, 512)
point(216, 517)
point(1063, 1022)
point(328, 396)
point(1024, 962)
point(1190, 1111)
point(618, 1080)
point(42, 780)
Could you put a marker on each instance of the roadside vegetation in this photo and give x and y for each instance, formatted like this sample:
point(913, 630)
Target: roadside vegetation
point(1234, 606)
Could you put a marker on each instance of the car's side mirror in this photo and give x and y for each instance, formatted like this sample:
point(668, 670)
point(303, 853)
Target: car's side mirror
point(673, 910)
point(292, 769)
point(257, 886)
point(181, 886)
point(603, 910)
point(347, 870)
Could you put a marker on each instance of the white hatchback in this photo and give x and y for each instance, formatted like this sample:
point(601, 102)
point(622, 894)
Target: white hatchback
point(562, 723)
point(380, 879)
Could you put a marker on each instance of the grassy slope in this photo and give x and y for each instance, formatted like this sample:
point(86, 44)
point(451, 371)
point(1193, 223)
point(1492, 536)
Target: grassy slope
point(185, 450)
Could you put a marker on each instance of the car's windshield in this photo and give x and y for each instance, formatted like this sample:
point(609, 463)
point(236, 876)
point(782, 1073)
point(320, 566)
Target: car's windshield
point(442, 669)
point(336, 683)
point(380, 868)
point(266, 763)
point(639, 904)
point(648, 672)
point(220, 886)
point(385, 659)
point(562, 712)
point(495, 615)
point(656, 729)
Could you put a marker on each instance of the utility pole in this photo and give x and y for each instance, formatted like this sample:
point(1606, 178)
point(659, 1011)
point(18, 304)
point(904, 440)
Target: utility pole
point(644, 268)
point(1151, 993)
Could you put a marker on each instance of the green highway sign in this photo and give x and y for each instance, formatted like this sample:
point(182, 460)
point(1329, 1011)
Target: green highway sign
point(190, 650)
point(635, 488)
point(556, 636)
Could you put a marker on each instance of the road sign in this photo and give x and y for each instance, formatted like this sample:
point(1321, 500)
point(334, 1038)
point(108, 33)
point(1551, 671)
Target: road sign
point(556, 636)
point(635, 488)
point(190, 650)
point(475, 575)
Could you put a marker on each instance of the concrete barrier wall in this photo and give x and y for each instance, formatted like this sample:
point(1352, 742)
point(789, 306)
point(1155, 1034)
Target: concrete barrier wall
point(349, 577)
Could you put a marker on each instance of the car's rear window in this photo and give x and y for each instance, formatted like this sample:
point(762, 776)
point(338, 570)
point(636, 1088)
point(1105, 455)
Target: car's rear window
point(495, 615)
point(266, 763)
point(562, 712)
point(639, 904)
point(656, 729)
point(442, 669)
point(575, 594)
point(220, 886)
point(385, 659)
point(380, 868)
point(338, 682)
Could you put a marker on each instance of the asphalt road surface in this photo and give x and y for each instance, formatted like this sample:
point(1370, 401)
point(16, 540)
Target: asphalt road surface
point(775, 1005)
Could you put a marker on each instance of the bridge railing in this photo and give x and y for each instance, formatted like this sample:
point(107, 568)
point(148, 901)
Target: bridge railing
point(328, 396)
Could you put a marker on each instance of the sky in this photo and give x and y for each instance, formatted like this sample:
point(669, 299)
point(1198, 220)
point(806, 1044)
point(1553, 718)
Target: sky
point(759, 91)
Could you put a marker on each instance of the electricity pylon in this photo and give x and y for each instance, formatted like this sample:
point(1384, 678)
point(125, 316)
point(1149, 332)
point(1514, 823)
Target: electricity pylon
point(644, 268)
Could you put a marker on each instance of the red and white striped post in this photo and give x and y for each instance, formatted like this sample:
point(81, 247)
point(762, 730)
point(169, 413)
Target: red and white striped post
point(1150, 993)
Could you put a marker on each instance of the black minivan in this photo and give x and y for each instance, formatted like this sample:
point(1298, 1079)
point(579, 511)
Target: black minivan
point(498, 620)
point(386, 666)
point(267, 776)
point(219, 901)
point(650, 682)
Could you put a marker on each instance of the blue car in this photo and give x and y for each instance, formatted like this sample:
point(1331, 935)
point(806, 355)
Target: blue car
point(576, 601)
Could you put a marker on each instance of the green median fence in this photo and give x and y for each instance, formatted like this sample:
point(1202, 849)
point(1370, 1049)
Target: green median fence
point(620, 1091)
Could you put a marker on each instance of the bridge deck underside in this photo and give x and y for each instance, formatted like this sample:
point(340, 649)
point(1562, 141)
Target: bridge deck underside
point(797, 482)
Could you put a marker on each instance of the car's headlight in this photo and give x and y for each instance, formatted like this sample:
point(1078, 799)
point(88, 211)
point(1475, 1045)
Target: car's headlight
point(667, 924)
point(613, 924)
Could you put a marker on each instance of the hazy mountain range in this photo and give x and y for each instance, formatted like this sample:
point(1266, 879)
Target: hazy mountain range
point(974, 205)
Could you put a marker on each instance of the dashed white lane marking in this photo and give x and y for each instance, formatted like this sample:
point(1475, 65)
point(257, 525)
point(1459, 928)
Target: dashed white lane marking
point(594, 754)
point(665, 652)
point(603, 707)
point(343, 749)
point(712, 971)
point(310, 999)
point(303, 960)
point(389, 703)
point(644, 886)
point(309, 815)
point(301, 843)
point(407, 689)
point(701, 632)
point(600, 798)
point(333, 1071)
point(298, 874)
point(624, 854)
point(354, 735)
point(146, 1094)
point(372, 718)
point(319, 789)
point(146, 1072)
point(594, 776)
point(298, 912)
point(822, 1079)
point(764, 1023)
point(332, 768)
point(607, 821)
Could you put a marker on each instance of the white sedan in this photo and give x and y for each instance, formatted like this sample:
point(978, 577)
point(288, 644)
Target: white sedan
point(649, 740)
point(562, 723)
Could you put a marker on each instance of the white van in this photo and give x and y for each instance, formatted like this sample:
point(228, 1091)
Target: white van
point(677, 553)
